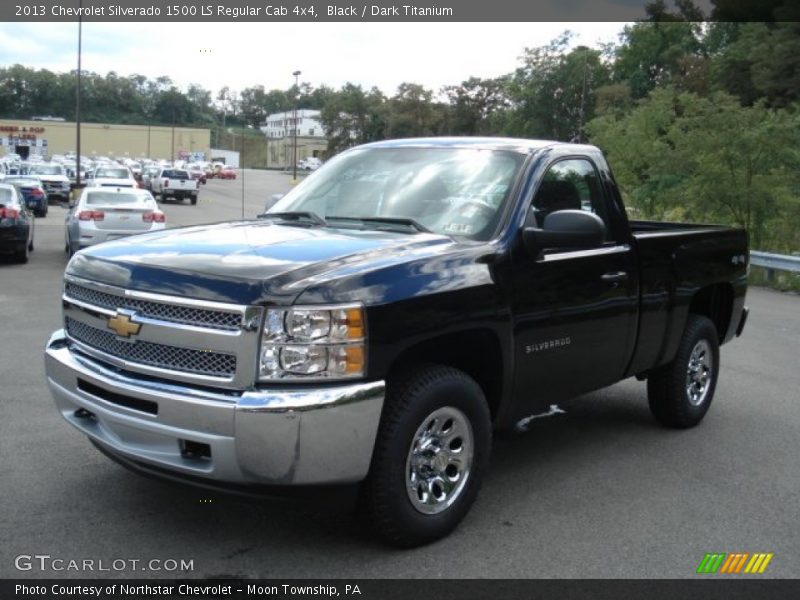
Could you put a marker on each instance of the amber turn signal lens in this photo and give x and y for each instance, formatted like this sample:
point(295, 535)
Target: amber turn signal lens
point(355, 359)
point(355, 324)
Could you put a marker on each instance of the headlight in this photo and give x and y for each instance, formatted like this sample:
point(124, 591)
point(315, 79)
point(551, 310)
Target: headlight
point(313, 343)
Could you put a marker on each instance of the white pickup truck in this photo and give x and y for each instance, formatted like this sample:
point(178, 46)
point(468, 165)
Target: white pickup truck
point(175, 183)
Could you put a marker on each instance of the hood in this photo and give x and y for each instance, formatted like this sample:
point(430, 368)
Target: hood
point(248, 262)
point(51, 178)
point(109, 182)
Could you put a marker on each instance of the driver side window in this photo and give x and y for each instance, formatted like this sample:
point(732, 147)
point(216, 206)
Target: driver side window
point(569, 185)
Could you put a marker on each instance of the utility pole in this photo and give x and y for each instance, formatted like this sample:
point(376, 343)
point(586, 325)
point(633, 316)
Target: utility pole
point(296, 95)
point(172, 158)
point(78, 104)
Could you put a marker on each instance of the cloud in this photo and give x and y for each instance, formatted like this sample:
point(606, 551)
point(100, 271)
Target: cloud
point(241, 55)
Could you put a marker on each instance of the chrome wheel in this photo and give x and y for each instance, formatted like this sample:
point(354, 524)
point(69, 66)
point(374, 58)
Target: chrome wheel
point(699, 373)
point(439, 460)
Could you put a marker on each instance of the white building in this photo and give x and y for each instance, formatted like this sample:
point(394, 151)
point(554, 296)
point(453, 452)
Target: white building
point(281, 125)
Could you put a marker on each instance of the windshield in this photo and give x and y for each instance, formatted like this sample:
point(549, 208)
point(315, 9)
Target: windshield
point(108, 198)
point(46, 170)
point(23, 182)
point(447, 190)
point(7, 197)
point(112, 173)
point(175, 174)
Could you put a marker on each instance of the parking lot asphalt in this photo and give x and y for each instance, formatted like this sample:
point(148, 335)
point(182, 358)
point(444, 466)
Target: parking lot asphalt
point(598, 491)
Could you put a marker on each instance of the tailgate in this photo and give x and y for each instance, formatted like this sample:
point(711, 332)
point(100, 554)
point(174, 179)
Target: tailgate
point(123, 218)
point(182, 184)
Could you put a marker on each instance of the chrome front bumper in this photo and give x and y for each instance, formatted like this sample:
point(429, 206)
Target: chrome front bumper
point(277, 436)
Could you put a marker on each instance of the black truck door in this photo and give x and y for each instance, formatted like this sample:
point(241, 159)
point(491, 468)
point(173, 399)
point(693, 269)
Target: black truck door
point(574, 311)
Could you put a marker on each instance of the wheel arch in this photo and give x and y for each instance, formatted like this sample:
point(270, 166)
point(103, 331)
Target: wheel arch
point(476, 352)
point(715, 302)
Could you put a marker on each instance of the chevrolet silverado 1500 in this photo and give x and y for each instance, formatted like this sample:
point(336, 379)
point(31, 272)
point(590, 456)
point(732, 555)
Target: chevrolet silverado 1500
point(381, 320)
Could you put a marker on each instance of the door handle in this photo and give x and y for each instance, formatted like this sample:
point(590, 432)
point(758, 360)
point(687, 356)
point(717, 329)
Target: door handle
point(615, 277)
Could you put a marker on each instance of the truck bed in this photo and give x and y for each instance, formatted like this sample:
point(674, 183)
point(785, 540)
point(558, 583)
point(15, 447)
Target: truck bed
point(675, 261)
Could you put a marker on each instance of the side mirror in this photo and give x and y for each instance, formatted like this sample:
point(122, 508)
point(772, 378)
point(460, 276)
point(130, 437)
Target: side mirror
point(565, 229)
point(272, 201)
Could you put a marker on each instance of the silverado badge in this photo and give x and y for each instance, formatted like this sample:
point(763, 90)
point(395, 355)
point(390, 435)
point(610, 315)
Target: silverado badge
point(122, 325)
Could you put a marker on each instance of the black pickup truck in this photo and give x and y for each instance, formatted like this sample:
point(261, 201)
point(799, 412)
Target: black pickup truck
point(383, 319)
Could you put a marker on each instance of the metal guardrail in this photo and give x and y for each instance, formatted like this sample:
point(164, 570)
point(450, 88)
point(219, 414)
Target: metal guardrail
point(774, 262)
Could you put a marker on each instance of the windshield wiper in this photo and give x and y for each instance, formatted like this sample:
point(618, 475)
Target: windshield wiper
point(300, 216)
point(402, 221)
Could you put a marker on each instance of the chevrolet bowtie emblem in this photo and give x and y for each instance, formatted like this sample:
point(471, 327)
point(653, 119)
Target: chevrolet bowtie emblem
point(122, 325)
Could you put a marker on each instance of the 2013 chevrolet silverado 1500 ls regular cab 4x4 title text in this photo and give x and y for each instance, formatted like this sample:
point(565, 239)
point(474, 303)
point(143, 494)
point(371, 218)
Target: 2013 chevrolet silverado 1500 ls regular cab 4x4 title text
point(381, 320)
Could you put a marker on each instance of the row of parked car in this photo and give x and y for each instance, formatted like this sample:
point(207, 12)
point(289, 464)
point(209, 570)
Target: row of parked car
point(100, 214)
point(115, 202)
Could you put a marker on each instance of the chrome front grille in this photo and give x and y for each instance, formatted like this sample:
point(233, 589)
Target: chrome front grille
point(172, 358)
point(170, 337)
point(186, 315)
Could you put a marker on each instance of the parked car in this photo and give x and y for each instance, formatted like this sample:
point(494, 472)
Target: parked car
point(312, 163)
point(174, 183)
point(71, 168)
point(385, 317)
point(227, 172)
point(111, 176)
point(216, 167)
point(148, 173)
point(54, 179)
point(102, 214)
point(32, 192)
point(16, 224)
point(197, 172)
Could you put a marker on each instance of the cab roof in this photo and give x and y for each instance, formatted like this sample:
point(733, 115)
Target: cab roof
point(483, 143)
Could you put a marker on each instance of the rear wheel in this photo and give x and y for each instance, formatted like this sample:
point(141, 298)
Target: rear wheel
point(432, 447)
point(680, 392)
point(23, 254)
point(193, 200)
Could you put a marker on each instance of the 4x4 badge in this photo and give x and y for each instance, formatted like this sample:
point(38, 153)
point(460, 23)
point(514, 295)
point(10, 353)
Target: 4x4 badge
point(122, 325)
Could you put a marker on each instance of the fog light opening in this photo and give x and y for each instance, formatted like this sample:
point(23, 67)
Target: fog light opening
point(194, 450)
point(82, 413)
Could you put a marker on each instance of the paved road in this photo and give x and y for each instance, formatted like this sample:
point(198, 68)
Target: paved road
point(600, 491)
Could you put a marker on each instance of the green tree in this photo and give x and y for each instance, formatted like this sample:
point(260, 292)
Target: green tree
point(654, 53)
point(352, 116)
point(477, 106)
point(411, 112)
point(553, 94)
point(681, 156)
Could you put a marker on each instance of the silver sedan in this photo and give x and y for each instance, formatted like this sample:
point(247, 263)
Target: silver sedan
point(103, 214)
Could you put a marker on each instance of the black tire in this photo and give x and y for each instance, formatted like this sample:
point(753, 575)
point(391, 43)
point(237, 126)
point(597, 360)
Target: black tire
point(193, 201)
point(22, 256)
point(415, 399)
point(672, 401)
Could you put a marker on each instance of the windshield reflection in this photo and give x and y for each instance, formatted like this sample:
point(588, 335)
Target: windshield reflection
point(451, 191)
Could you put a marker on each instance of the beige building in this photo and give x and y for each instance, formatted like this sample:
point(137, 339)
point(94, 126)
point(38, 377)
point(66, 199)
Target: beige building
point(281, 150)
point(98, 139)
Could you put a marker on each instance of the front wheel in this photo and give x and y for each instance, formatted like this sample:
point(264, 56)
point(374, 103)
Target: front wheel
point(432, 447)
point(680, 392)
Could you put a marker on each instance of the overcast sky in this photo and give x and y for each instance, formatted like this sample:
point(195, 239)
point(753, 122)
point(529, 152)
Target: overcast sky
point(241, 55)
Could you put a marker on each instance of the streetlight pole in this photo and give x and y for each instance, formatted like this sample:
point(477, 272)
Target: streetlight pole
point(296, 94)
point(78, 104)
point(172, 158)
